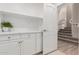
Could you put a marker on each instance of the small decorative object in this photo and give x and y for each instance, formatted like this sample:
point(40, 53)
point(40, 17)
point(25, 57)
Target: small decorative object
point(6, 26)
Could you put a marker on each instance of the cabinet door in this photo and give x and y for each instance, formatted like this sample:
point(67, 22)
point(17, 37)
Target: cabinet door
point(38, 42)
point(9, 48)
point(28, 45)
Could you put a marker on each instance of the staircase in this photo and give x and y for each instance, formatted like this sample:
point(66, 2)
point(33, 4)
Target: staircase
point(66, 34)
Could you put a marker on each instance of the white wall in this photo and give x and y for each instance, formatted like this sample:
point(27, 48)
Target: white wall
point(35, 10)
point(21, 22)
point(69, 15)
point(65, 15)
point(75, 20)
point(31, 9)
point(62, 16)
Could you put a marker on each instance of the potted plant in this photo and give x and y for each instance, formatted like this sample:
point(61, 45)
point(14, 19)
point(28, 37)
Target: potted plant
point(6, 26)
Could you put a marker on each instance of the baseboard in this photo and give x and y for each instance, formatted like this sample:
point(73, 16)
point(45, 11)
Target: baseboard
point(39, 53)
point(50, 52)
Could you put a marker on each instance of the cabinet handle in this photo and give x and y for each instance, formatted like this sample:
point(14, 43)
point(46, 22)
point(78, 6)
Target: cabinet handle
point(20, 42)
point(44, 30)
point(9, 37)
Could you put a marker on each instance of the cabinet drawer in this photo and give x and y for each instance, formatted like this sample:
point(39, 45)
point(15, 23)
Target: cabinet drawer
point(32, 36)
point(28, 36)
point(4, 37)
point(24, 35)
point(14, 36)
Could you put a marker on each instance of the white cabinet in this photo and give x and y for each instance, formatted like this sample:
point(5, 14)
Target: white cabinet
point(24, 44)
point(28, 45)
point(31, 44)
point(9, 48)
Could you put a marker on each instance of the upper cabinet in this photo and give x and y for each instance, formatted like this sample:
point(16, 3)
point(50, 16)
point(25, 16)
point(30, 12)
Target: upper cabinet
point(30, 9)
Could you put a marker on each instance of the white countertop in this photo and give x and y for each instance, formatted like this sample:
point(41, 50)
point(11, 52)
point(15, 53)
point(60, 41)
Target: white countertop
point(19, 32)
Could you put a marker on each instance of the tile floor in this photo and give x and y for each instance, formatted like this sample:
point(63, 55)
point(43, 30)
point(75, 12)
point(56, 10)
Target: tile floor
point(66, 48)
point(57, 53)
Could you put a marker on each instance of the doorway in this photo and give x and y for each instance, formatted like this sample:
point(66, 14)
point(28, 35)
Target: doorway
point(67, 43)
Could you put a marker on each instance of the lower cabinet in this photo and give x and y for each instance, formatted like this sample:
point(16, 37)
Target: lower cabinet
point(28, 45)
point(25, 45)
point(31, 45)
point(9, 48)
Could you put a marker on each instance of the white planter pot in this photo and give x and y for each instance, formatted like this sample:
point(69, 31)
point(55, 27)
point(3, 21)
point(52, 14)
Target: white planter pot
point(5, 29)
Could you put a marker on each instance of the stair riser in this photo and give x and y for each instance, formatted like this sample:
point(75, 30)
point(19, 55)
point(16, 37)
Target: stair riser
point(68, 40)
point(64, 31)
point(65, 34)
point(65, 37)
